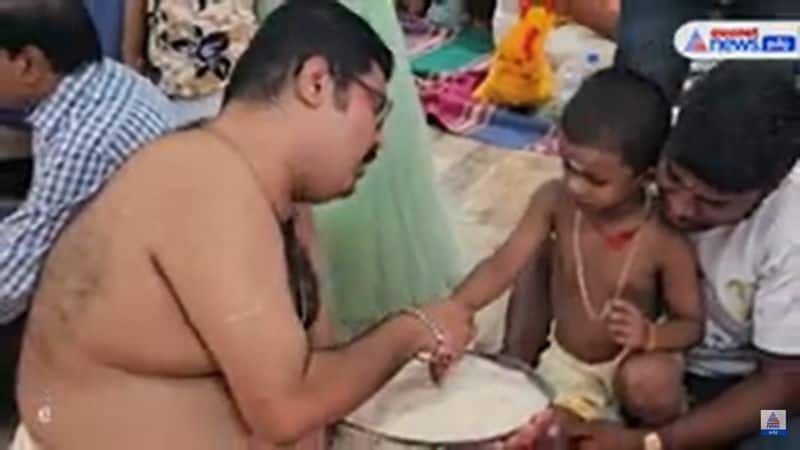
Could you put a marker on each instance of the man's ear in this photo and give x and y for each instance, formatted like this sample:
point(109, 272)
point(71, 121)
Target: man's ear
point(647, 175)
point(648, 180)
point(32, 68)
point(313, 84)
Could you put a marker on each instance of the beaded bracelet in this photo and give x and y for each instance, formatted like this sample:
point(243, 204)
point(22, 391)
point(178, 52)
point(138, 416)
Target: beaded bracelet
point(433, 327)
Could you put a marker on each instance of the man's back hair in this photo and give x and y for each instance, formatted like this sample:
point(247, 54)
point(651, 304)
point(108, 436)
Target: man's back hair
point(739, 127)
point(62, 29)
point(620, 111)
point(329, 30)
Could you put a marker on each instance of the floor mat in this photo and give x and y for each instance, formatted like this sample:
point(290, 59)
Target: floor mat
point(448, 67)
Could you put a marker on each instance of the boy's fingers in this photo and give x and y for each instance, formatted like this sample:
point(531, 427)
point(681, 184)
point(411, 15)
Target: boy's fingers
point(623, 307)
point(620, 318)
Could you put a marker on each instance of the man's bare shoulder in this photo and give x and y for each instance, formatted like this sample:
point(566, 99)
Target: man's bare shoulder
point(194, 183)
point(192, 160)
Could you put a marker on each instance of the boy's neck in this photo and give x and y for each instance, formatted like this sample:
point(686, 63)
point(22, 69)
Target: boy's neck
point(621, 213)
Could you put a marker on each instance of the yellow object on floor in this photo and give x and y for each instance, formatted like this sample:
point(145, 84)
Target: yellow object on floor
point(520, 74)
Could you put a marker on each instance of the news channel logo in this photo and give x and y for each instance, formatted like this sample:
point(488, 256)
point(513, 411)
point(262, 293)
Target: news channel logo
point(773, 422)
point(719, 40)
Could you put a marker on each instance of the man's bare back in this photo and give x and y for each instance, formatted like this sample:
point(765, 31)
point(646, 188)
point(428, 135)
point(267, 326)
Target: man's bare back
point(110, 359)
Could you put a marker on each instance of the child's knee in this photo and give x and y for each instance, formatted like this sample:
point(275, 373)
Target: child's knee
point(650, 388)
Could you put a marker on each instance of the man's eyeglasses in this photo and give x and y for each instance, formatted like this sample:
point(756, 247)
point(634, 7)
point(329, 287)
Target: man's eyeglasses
point(382, 104)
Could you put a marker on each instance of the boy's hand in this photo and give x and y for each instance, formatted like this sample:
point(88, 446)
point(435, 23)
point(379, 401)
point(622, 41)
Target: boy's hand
point(457, 322)
point(627, 325)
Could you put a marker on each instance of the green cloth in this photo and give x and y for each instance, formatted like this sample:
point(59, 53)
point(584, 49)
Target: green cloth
point(469, 45)
point(264, 7)
point(391, 244)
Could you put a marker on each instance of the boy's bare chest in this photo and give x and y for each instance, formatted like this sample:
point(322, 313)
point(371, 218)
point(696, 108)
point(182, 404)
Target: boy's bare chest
point(587, 266)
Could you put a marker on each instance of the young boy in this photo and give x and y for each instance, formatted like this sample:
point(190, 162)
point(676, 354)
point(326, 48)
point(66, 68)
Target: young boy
point(614, 260)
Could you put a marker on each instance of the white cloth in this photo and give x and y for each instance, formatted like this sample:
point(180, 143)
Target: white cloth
point(751, 286)
point(22, 440)
point(571, 41)
point(190, 111)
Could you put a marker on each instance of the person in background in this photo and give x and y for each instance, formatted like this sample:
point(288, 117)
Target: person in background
point(15, 143)
point(480, 12)
point(107, 16)
point(391, 244)
point(646, 31)
point(413, 7)
point(88, 114)
point(189, 48)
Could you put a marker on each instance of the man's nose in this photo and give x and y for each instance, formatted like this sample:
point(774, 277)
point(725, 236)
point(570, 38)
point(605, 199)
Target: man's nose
point(681, 205)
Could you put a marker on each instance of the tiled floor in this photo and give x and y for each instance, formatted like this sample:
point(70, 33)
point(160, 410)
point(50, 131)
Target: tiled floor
point(488, 188)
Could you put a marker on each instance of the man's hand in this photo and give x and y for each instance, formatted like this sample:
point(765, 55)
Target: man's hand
point(605, 436)
point(457, 322)
point(541, 433)
point(627, 325)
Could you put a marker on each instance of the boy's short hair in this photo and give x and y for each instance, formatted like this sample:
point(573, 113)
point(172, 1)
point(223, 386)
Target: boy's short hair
point(739, 127)
point(620, 111)
point(62, 29)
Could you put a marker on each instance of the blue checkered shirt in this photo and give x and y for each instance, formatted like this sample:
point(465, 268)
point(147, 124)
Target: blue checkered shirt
point(94, 120)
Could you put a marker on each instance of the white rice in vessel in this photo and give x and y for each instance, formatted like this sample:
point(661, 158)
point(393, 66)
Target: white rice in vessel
point(478, 400)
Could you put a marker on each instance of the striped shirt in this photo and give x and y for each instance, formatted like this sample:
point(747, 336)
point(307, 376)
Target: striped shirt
point(82, 133)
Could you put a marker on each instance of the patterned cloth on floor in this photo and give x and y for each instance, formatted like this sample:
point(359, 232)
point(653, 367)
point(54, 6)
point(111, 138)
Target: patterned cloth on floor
point(448, 66)
point(421, 35)
point(448, 102)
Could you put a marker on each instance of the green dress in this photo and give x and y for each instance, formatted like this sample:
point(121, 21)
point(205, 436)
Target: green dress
point(391, 244)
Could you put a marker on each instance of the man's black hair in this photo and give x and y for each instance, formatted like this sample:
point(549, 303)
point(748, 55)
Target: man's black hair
point(739, 127)
point(301, 29)
point(620, 111)
point(61, 29)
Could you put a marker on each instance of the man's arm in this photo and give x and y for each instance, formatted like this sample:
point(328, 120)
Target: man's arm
point(134, 33)
point(735, 414)
point(495, 274)
point(599, 15)
point(222, 254)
